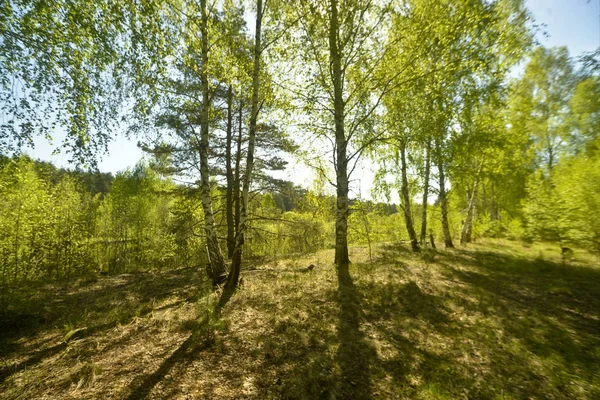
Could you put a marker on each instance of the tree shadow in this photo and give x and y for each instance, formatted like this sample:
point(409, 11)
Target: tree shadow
point(299, 348)
point(355, 354)
point(85, 310)
point(391, 252)
point(403, 315)
point(507, 323)
point(36, 358)
point(314, 346)
point(549, 310)
point(472, 324)
point(142, 387)
point(408, 299)
point(36, 308)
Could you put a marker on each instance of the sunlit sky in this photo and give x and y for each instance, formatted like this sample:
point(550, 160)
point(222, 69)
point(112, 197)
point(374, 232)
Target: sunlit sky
point(571, 23)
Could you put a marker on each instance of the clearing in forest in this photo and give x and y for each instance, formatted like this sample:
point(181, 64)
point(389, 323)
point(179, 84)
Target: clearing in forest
point(494, 321)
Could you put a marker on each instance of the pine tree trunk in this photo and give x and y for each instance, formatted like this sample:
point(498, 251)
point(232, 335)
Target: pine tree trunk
point(414, 243)
point(229, 177)
point(236, 262)
point(444, 207)
point(342, 260)
point(216, 267)
point(425, 195)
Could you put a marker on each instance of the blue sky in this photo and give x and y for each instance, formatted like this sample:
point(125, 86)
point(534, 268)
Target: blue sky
point(571, 23)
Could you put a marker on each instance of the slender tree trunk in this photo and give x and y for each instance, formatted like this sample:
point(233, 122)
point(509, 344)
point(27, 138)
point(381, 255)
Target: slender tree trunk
point(342, 260)
point(17, 241)
point(432, 240)
point(367, 230)
point(444, 206)
point(467, 229)
point(550, 156)
point(237, 178)
point(229, 176)
point(216, 267)
point(493, 206)
point(414, 243)
point(425, 195)
point(236, 262)
point(484, 200)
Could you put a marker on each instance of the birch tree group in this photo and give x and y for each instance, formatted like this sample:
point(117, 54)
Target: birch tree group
point(216, 91)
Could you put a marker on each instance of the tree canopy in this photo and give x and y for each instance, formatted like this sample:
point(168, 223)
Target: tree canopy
point(220, 93)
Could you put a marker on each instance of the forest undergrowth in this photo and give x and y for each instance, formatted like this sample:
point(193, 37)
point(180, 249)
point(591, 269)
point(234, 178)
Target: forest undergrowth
point(496, 320)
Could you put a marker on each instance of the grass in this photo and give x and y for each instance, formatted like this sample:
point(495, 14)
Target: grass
point(496, 320)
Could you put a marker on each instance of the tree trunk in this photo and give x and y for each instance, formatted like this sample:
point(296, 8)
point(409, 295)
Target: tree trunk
point(484, 201)
point(216, 267)
point(414, 243)
point(367, 231)
point(237, 178)
point(342, 260)
point(493, 205)
point(550, 157)
point(444, 206)
point(236, 261)
point(17, 241)
point(229, 177)
point(467, 228)
point(425, 195)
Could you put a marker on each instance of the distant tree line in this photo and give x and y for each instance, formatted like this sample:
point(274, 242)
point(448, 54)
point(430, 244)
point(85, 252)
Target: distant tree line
point(61, 224)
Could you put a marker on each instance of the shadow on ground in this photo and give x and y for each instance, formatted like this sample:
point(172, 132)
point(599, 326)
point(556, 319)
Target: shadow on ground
point(41, 322)
point(548, 312)
point(474, 324)
point(355, 354)
point(181, 357)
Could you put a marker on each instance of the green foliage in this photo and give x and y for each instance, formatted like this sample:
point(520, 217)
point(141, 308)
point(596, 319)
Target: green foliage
point(371, 223)
point(274, 232)
point(427, 77)
point(62, 63)
point(136, 230)
point(305, 233)
point(585, 114)
point(556, 111)
point(539, 102)
point(564, 208)
point(60, 231)
point(420, 86)
point(545, 212)
point(24, 227)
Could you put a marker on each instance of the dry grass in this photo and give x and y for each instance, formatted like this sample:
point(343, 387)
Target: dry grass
point(494, 321)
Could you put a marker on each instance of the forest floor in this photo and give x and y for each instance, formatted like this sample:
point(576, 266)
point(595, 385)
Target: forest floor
point(493, 321)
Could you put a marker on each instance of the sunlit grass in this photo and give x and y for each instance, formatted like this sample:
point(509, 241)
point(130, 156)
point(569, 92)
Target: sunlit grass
point(494, 321)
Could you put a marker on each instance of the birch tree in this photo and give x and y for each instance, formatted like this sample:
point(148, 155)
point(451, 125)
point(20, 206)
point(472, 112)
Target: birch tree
point(342, 47)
